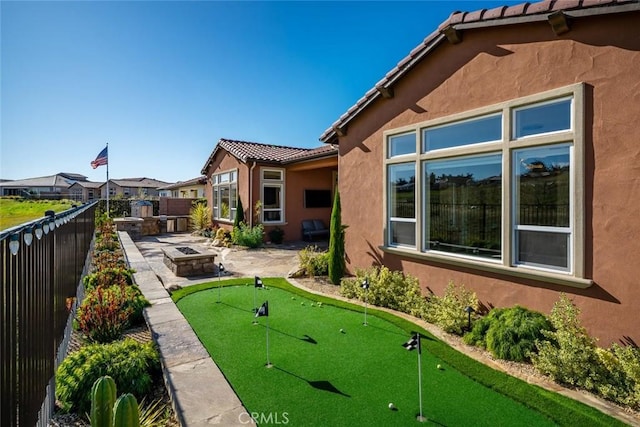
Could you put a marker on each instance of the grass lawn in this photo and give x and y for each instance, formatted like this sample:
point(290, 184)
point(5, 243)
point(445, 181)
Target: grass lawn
point(321, 376)
point(18, 211)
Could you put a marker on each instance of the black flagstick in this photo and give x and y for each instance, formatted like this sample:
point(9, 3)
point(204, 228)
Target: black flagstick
point(365, 286)
point(220, 270)
point(412, 344)
point(264, 311)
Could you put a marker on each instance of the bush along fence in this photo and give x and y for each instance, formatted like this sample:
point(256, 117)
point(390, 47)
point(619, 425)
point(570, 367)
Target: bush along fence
point(42, 264)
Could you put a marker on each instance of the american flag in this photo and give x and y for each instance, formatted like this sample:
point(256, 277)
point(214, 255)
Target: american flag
point(102, 159)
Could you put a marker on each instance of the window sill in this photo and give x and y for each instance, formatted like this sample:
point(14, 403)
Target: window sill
point(521, 272)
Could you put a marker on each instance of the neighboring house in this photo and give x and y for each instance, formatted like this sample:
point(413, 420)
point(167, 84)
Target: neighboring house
point(291, 184)
point(52, 186)
point(133, 188)
point(193, 188)
point(85, 191)
point(502, 153)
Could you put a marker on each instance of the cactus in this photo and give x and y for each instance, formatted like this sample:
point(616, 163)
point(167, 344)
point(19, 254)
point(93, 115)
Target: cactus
point(103, 396)
point(126, 412)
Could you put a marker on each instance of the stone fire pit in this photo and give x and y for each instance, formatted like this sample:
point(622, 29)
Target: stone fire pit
point(185, 261)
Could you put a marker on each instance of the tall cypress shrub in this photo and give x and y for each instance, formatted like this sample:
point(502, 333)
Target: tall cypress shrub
point(239, 214)
point(336, 243)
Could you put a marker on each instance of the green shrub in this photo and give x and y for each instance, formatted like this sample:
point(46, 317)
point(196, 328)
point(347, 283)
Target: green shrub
point(509, 333)
point(107, 311)
point(391, 289)
point(200, 217)
point(313, 261)
point(336, 243)
point(107, 242)
point(448, 311)
point(621, 382)
point(239, 218)
point(248, 236)
point(568, 354)
point(108, 277)
point(276, 235)
point(129, 363)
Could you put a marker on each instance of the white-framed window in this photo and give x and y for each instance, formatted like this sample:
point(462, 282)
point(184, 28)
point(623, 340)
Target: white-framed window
point(225, 195)
point(272, 187)
point(499, 186)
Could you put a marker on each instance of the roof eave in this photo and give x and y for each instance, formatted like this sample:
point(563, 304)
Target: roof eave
point(332, 134)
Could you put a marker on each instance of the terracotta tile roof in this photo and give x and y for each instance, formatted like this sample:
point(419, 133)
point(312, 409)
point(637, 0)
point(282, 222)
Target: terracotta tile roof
point(459, 21)
point(246, 151)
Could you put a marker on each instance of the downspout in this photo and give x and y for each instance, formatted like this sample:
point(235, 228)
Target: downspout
point(251, 195)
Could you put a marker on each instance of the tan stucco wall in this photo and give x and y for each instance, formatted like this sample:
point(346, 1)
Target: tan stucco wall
point(496, 65)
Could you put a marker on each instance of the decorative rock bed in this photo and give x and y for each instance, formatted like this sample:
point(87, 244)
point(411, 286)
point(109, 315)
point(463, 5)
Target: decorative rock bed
point(186, 261)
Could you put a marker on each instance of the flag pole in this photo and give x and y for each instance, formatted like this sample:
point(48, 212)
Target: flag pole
point(420, 417)
point(108, 212)
point(269, 365)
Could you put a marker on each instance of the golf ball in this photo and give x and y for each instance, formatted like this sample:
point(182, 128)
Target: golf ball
point(392, 406)
point(342, 330)
point(439, 366)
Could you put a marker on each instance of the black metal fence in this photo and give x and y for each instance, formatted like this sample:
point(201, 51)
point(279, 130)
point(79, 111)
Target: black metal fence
point(42, 265)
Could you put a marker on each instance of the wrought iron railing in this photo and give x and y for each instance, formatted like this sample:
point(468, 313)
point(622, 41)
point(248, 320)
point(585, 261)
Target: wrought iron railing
point(42, 264)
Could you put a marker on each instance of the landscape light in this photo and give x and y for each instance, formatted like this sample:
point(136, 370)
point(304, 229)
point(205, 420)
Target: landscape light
point(468, 309)
point(45, 227)
point(28, 236)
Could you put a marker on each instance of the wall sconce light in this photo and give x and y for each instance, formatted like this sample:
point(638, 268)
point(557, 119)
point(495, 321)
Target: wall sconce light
point(28, 236)
point(14, 243)
point(38, 231)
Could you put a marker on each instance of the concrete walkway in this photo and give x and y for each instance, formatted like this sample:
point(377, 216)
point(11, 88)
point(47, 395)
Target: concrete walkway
point(200, 394)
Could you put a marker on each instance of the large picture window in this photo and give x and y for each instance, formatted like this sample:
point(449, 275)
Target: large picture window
point(499, 186)
point(225, 195)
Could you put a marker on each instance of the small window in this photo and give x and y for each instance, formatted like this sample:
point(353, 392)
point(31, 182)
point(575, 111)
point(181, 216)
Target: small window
point(473, 131)
point(272, 175)
point(542, 118)
point(402, 144)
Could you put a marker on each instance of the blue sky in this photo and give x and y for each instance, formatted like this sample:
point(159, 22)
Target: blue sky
point(161, 82)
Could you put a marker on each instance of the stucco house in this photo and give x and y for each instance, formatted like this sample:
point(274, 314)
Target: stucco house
point(291, 184)
point(502, 153)
point(192, 188)
point(133, 187)
point(55, 186)
point(85, 191)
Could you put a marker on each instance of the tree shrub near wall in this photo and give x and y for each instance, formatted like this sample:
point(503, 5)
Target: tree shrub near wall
point(239, 218)
point(391, 289)
point(448, 311)
point(336, 243)
point(248, 236)
point(570, 356)
point(313, 261)
point(509, 333)
point(200, 217)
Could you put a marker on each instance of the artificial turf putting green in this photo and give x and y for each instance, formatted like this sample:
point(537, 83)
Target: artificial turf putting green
point(321, 376)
